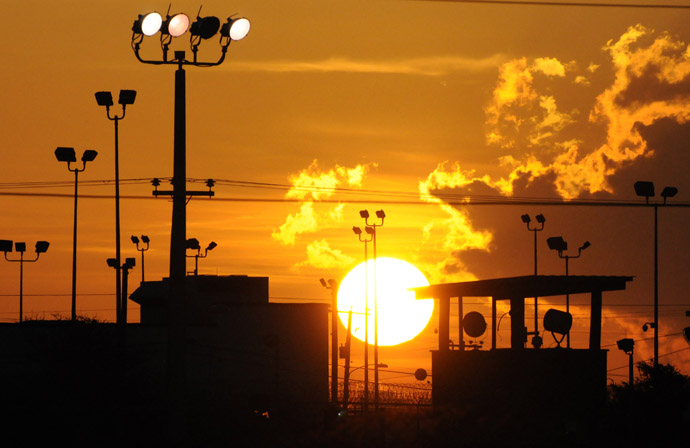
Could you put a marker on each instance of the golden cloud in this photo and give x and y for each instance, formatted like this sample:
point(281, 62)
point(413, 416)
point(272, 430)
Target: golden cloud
point(321, 256)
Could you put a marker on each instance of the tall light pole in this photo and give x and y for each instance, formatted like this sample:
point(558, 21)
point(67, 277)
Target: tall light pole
point(125, 268)
point(145, 240)
point(381, 215)
point(332, 285)
point(68, 155)
point(558, 244)
point(203, 28)
point(6, 246)
point(106, 99)
point(536, 340)
point(366, 241)
point(646, 189)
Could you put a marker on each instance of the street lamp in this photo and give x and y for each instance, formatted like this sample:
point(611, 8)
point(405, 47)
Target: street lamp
point(125, 268)
point(626, 346)
point(193, 244)
point(358, 231)
point(332, 285)
point(536, 340)
point(6, 246)
point(646, 189)
point(558, 244)
point(105, 99)
point(145, 240)
point(371, 229)
point(68, 155)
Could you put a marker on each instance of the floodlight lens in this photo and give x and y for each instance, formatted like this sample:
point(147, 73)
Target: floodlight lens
point(151, 24)
point(178, 25)
point(239, 29)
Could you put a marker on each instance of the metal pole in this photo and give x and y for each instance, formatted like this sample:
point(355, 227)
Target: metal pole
point(567, 303)
point(630, 370)
point(536, 310)
point(656, 290)
point(334, 341)
point(21, 287)
point(348, 342)
point(366, 331)
point(125, 274)
point(142, 266)
point(118, 268)
point(74, 249)
point(376, 334)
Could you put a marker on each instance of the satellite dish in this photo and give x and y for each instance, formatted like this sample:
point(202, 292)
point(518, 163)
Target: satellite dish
point(474, 324)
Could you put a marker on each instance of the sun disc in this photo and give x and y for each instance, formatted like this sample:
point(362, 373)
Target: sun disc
point(400, 316)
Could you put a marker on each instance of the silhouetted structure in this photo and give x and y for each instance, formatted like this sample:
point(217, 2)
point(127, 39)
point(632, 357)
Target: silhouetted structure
point(515, 384)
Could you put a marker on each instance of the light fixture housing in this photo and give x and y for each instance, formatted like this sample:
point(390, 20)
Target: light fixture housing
point(104, 99)
point(42, 247)
point(357, 230)
point(626, 345)
point(669, 192)
point(557, 243)
point(525, 218)
point(235, 29)
point(6, 245)
point(64, 154)
point(205, 27)
point(644, 188)
point(323, 283)
point(130, 263)
point(175, 25)
point(193, 243)
point(20, 247)
point(145, 239)
point(370, 230)
point(127, 97)
point(89, 155)
point(150, 23)
point(557, 321)
point(380, 214)
point(135, 240)
point(540, 219)
point(112, 262)
point(585, 245)
point(212, 245)
point(364, 214)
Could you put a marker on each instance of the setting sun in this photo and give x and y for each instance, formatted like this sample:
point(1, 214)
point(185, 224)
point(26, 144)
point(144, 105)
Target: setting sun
point(400, 316)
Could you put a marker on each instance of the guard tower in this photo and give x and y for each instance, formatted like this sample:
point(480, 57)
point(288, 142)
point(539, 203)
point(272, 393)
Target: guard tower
point(563, 384)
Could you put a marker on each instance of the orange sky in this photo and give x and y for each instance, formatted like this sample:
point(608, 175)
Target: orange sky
point(420, 98)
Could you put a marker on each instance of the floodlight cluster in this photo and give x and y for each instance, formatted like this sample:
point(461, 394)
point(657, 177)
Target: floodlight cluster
point(177, 25)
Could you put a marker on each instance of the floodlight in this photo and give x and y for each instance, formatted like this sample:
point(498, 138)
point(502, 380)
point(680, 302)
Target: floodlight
point(626, 345)
point(193, 243)
point(585, 245)
point(235, 29)
point(89, 155)
point(557, 321)
point(541, 219)
point(644, 189)
point(135, 240)
point(205, 27)
point(149, 24)
point(669, 192)
point(525, 218)
point(65, 154)
point(557, 243)
point(380, 214)
point(20, 247)
point(145, 239)
point(127, 97)
point(364, 214)
point(357, 230)
point(42, 247)
point(104, 99)
point(648, 325)
point(323, 283)
point(130, 263)
point(175, 25)
point(112, 262)
point(370, 230)
point(212, 245)
point(6, 245)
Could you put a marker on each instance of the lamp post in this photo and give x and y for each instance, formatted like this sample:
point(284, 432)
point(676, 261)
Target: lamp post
point(145, 240)
point(381, 215)
point(332, 285)
point(68, 155)
point(358, 232)
point(626, 345)
point(536, 340)
point(106, 99)
point(6, 246)
point(125, 268)
point(558, 244)
point(646, 189)
point(193, 244)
